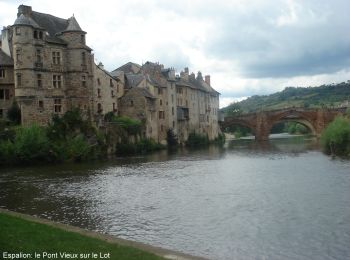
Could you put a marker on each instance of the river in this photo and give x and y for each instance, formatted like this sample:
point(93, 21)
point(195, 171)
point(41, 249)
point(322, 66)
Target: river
point(283, 199)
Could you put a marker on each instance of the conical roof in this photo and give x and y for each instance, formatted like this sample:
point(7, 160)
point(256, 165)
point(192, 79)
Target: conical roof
point(73, 25)
point(25, 20)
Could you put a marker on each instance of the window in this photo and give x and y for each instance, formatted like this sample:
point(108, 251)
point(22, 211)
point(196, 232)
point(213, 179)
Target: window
point(114, 107)
point(2, 73)
point(98, 81)
point(160, 91)
point(110, 82)
point(57, 81)
point(172, 98)
point(18, 31)
point(160, 102)
point(35, 35)
point(112, 94)
point(83, 58)
point(19, 79)
point(41, 35)
point(1, 113)
point(57, 105)
point(82, 39)
point(39, 80)
point(83, 81)
point(131, 103)
point(172, 110)
point(38, 55)
point(4, 94)
point(98, 92)
point(18, 55)
point(173, 124)
point(161, 115)
point(99, 108)
point(41, 104)
point(56, 57)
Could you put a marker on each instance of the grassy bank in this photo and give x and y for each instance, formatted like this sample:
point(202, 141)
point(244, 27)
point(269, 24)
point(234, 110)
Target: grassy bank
point(27, 237)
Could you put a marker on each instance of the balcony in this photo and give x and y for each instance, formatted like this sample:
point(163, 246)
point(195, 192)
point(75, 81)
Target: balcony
point(182, 113)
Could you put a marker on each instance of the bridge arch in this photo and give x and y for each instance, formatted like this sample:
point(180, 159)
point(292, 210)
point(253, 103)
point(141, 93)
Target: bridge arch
point(293, 116)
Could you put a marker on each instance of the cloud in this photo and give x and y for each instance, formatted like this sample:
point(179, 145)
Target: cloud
point(248, 47)
point(291, 39)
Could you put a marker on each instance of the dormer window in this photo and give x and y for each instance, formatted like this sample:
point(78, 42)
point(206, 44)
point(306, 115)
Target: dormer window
point(18, 31)
point(82, 39)
point(38, 34)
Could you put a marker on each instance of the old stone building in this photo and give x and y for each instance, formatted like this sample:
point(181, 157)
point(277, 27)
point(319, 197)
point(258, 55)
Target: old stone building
point(46, 66)
point(52, 64)
point(107, 89)
point(7, 87)
point(182, 103)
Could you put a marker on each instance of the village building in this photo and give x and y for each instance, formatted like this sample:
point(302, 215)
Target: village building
point(7, 88)
point(47, 67)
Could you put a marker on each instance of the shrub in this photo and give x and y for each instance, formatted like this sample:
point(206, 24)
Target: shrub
point(141, 147)
point(335, 139)
point(197, 140)
point(171, 138)
point(132, 126)
point(220, 139)
point(14, 113)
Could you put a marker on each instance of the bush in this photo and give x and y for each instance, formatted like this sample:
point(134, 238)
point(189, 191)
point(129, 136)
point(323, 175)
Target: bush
point(132, 126)
point(14, 113)
point(335, 139)
point(220, 139)
point(31, 144)
point(197, 140)
point(171, 138)
point(141, 147)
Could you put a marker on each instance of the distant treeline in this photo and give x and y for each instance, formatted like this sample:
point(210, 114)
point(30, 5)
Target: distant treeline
point(332, 95)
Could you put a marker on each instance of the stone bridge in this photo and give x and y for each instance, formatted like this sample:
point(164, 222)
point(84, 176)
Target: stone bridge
point(261, 122)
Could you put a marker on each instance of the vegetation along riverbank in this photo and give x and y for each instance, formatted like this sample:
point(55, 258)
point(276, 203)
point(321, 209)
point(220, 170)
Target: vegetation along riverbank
point(71, 137)
point(335, 138)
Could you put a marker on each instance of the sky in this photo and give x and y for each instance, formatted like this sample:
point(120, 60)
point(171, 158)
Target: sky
point(248, 47)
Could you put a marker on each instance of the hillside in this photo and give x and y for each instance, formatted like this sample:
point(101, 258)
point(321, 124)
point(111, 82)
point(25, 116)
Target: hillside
point(333, 95)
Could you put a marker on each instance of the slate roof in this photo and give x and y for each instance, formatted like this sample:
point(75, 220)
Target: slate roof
point(5, 60)
point(143, 92)
point(73, 25)
point(133, 80)
point(128, 67)
point(51, 23)
point(25, 20)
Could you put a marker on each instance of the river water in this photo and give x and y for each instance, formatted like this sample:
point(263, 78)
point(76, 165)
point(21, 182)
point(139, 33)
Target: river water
point(279, 200)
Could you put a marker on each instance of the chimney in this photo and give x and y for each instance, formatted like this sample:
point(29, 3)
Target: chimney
point(100, 65)
point(207, 79)
point(199, 76)
point(24, 9)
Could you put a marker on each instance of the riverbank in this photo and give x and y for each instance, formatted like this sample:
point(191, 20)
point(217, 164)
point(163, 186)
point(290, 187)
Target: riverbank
point(24, 237)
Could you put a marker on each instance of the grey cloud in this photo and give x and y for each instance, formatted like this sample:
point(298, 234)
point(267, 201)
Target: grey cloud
point(263, 49)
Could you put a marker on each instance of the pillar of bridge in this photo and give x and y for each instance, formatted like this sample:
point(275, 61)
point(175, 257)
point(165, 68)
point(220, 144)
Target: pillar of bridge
point(262, 130)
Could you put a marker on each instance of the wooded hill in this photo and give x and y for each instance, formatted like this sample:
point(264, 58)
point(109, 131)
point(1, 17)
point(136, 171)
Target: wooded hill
point(333, 95)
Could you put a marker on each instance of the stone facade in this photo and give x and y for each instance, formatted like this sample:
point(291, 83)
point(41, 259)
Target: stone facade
point(49, 69)
point(182, 103)
point(7, 88)
point(53, 69)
